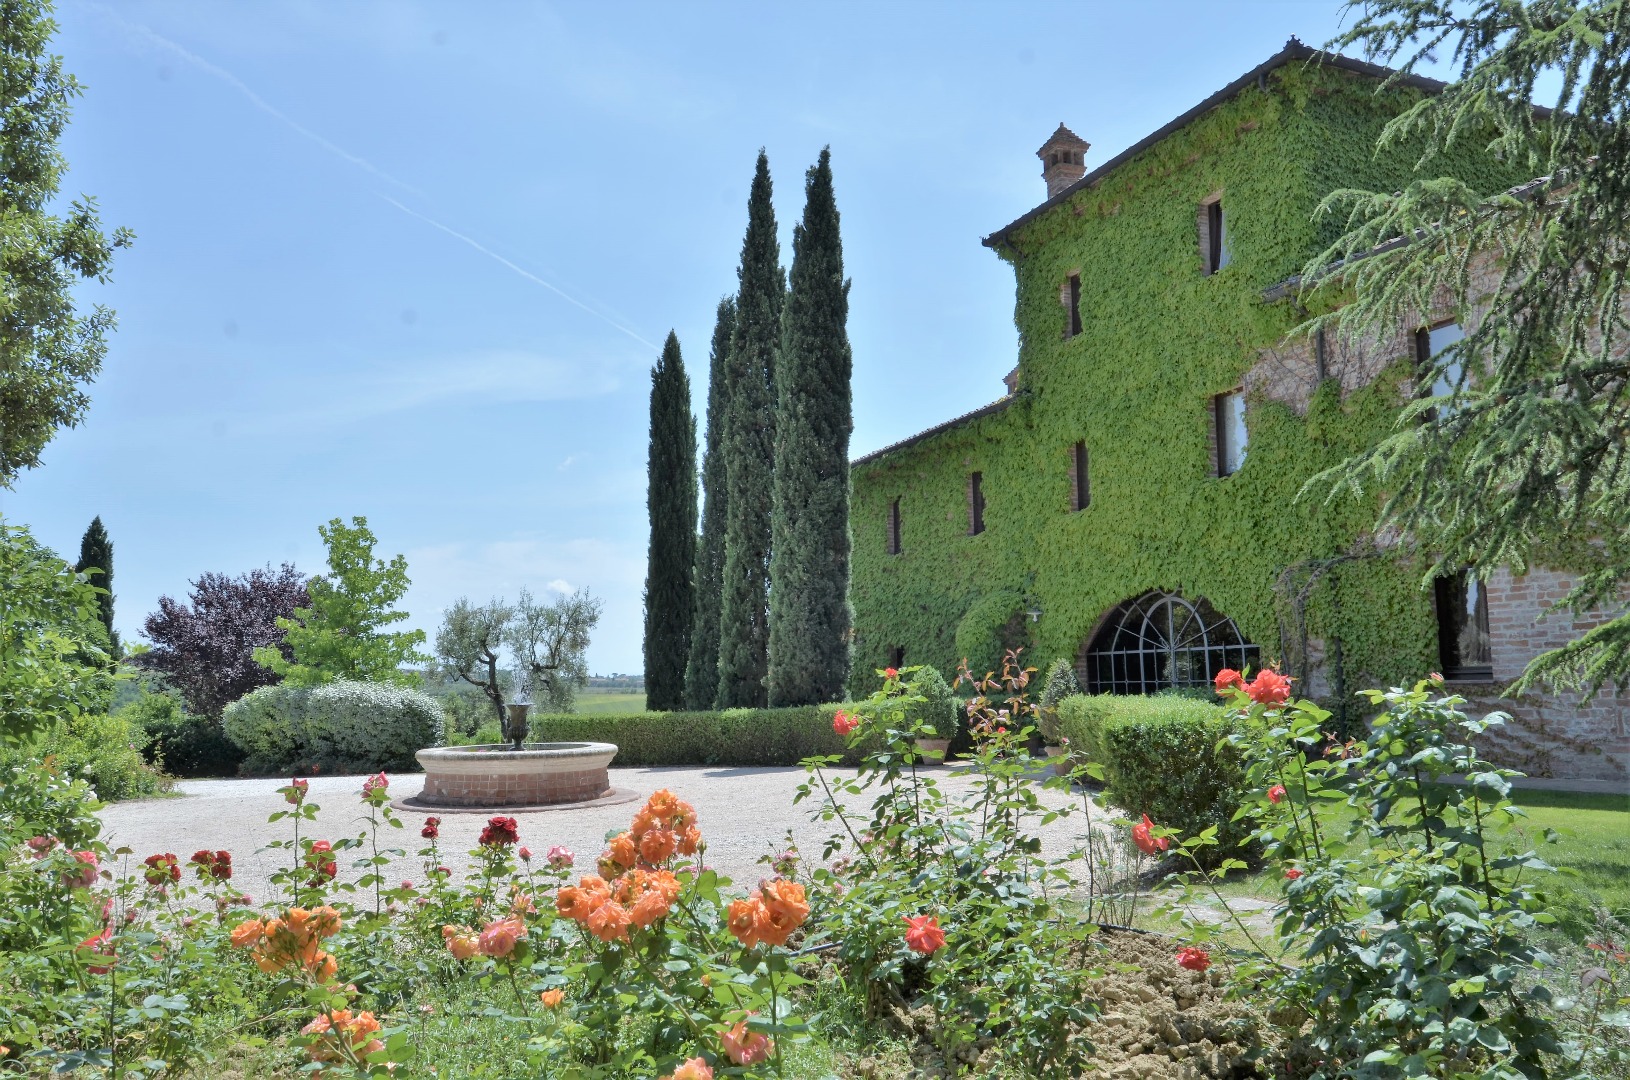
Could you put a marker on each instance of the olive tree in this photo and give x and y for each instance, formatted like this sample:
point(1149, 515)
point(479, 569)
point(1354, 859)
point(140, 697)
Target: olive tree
point(549, 642)
point(469, 646)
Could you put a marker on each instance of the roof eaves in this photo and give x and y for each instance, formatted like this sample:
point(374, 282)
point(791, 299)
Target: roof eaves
point(1294, 50)
point(984, 410)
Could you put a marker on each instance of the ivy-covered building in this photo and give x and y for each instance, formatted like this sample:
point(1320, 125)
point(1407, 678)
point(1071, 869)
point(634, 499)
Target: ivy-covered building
point(1131, 501)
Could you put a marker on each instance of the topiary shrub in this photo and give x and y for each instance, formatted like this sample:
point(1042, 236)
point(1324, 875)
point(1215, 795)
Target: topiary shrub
point(732, 737)
point(939, 708)
point(1160, 757)
point(340, 726)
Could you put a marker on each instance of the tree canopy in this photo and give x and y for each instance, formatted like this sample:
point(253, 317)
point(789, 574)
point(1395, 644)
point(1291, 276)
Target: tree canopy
point(49, 351)
point(1529, 463)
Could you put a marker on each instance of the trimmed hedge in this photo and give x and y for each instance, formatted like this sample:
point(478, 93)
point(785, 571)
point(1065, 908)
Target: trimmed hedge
point(1161, 757)
point(340, 726)
point(732, 737)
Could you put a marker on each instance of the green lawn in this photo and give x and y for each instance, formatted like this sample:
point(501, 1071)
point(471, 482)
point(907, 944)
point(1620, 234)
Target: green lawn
point(1592, 850)
point(611, 701)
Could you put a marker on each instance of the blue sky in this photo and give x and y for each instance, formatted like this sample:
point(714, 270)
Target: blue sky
point(414, 260)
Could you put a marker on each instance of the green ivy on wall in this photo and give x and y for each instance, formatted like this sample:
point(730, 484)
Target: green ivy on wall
point(1159, 339)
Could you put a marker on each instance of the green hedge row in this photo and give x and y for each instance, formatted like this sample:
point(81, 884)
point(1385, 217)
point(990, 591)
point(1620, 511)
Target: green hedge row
point(733, 737)
point(1160, 757)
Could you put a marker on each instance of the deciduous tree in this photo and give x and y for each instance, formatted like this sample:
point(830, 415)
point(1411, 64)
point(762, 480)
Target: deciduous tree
point(339, 635)
point(809, 563)
point(49, 351)
point(671, 554)
point(205, 648)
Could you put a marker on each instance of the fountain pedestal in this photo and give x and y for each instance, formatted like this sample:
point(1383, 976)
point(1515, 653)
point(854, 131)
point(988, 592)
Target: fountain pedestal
point(498, 777)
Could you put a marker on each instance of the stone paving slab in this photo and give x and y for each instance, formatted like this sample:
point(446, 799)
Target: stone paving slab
point(744, 814)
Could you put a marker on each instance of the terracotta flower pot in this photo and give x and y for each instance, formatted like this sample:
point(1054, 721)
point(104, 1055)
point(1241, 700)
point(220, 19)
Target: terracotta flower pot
point(933, 750)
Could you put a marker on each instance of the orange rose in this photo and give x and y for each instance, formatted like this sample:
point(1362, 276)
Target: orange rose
point(746, 1047)
point(622, 850)
point(461, 941)
point(246, 933)
point(693, 1069)
point(499, 939)
point(571, 903)
point(648, 909)
point(787, 906)
point(689, 840)
point(742, 919)
point(657, 846)
point(609, 922)
point(552, 998)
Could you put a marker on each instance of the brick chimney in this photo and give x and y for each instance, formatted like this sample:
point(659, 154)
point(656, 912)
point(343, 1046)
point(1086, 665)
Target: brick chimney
point(1063, 159)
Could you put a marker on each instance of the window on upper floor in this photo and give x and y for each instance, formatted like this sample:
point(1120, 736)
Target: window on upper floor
point(1214, 235)
point(897, 656)
point(1080, 486)
point(1464, 648)
point(1228, 421)
point(976, 504)
point(893, 540)
point(1072, 305)
point(1430, 345)
point(1321, 356)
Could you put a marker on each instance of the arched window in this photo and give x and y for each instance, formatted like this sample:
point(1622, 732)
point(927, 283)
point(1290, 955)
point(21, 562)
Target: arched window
point(1160, 641)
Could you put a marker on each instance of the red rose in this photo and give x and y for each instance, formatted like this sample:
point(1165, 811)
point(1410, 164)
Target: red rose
point(843, 723)
point(296, 792)
point(1269, 688)
point(891, 673)
point(1194, 959)
point(432, 828)
point(1149, 845)
point(1292, 873)
point(161, 869)
point(1228, 678)
point(1276, 793)
point(923, 934)
point(500, 832)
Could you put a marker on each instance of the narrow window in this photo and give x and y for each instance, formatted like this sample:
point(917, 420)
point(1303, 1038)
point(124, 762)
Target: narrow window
point(1463, 627)
point(1230, 432)
point(1321, 357)
point(897, 656)
point(1216, 237)
point(1081, 491)
point(1073, 326)
point(894, 528)
point(976, 504)
point(1429, 348)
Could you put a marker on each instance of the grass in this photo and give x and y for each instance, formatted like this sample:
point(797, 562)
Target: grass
point(600, 702)
point(1591, 849)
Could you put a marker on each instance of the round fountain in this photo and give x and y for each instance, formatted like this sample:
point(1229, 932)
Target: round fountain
point(515, 774)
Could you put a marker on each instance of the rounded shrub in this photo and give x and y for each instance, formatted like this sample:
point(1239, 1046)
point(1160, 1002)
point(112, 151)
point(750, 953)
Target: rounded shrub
point(179, 742)
point(1061, 684)
point(938, 709)
point(340, 726)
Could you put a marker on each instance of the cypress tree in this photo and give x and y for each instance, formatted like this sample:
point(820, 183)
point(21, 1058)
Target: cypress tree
point(749, 450)
point(671, 503)
point(702, 672)
point(809, 565)
point(96, 550)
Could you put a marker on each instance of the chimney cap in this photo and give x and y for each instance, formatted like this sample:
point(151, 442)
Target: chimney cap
point(1063, 137)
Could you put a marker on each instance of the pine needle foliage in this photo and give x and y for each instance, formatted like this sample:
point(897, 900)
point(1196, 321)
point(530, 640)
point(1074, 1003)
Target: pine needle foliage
point(702, 670)
point(96, 552)
point(671, 555)
point(749, 452)
point(1527, 460)
point(49, 351)
point(809, 564)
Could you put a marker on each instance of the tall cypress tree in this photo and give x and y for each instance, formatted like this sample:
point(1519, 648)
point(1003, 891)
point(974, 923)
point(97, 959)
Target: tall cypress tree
point(96, 550)
point(749, 451)
point(671, 503)
point(702, 672)
point(809, 565)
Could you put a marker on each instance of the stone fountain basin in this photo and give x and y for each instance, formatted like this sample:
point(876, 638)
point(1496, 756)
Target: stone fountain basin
point(494, 776)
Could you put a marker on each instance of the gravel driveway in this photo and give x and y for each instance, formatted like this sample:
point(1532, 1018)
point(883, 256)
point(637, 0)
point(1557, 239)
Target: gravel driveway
point(744, 814)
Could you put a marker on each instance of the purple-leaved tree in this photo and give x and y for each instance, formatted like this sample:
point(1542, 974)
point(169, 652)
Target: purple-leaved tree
point(205, 648)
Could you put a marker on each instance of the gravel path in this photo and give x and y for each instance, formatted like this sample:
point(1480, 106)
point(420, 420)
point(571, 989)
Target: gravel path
point(744, 814)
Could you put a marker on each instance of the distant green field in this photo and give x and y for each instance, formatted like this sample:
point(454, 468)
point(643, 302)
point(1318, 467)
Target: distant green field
point(611, 701)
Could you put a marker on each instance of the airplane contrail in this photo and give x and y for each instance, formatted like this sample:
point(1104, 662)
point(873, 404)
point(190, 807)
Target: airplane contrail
point(491, 254)
point(154, 38)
